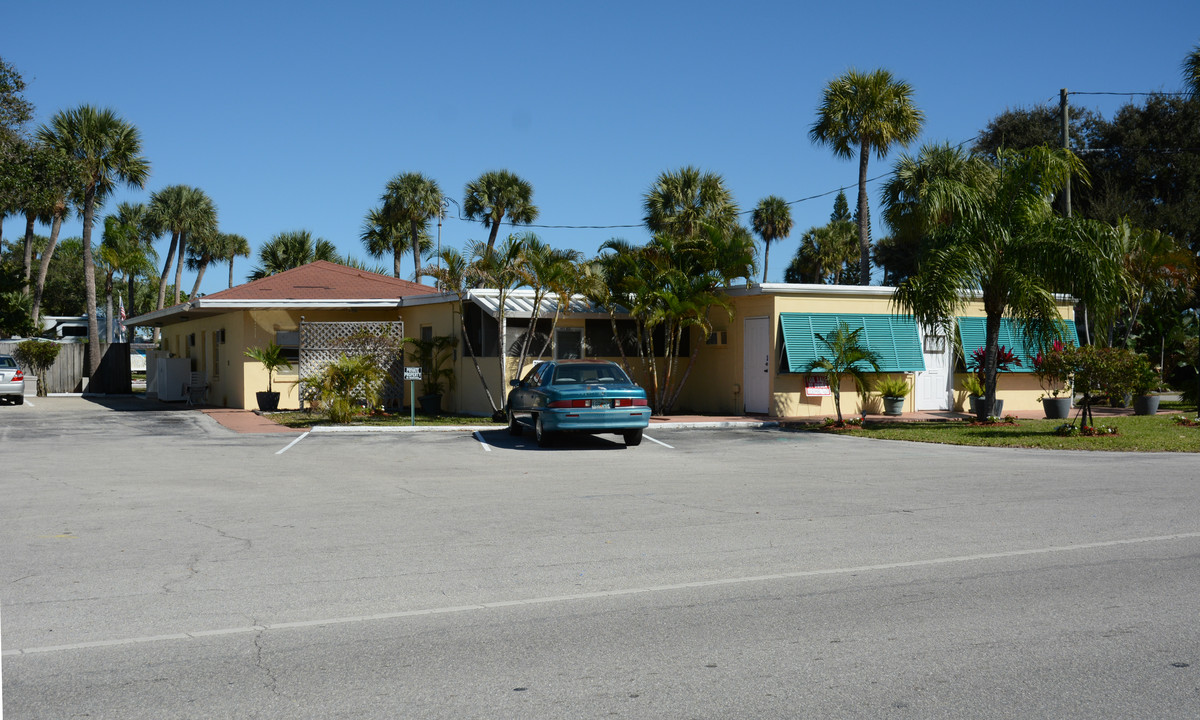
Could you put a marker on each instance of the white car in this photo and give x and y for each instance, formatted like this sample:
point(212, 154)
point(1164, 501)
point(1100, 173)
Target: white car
point(12, 380)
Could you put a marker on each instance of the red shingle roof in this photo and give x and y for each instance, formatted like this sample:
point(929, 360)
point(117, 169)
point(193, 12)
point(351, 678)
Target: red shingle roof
point(323, 280)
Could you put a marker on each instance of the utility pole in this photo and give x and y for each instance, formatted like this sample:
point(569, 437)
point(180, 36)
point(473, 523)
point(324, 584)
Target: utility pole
point(1066, 143)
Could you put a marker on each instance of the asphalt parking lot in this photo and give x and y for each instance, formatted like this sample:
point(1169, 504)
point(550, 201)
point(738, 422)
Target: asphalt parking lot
point(158, 565)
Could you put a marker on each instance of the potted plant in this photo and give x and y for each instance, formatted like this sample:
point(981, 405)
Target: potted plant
point(894, 391)
point(1143, 383)
point(434, 355)
point(1005, 359)
point(272, 359)
point(1054, 374)
point(973, 386)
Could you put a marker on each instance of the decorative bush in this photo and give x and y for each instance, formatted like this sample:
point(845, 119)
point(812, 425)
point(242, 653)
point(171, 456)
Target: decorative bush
point(346, 388)
point(1053, 370)
point(39, 356)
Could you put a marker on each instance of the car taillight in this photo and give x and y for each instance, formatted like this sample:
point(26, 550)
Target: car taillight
point(629, 402)
point(570, 404)
point(19, 376)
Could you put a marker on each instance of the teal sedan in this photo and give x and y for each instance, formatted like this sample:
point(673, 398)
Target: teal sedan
point(584, 396)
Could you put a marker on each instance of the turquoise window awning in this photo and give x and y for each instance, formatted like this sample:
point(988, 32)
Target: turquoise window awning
point(973, 331)
point(894, 337)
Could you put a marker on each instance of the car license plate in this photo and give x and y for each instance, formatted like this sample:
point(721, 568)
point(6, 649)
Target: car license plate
point(602, 403)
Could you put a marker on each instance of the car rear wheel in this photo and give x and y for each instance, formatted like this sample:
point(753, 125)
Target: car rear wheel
point(543, 436)
point(18, 399)
point(633, 438)
point(514, 427)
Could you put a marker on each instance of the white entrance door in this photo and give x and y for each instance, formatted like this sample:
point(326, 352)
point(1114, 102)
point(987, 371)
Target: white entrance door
point(756, 365)
point(933, 385)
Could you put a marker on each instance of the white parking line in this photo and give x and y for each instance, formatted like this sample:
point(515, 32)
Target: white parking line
point(289, 445)
point(484, 443)
point(660, 442)
point(617, 592)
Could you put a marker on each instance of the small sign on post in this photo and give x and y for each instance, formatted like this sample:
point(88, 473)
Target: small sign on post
point(412, 375)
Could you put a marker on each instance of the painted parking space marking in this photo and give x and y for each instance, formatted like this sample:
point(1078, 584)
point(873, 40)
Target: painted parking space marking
point(619, 592)
point(289, 445)
point(660, 442)
point(486, 446)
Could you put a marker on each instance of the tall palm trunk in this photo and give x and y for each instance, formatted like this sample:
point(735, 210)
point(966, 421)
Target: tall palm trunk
point(89, 280)
point(30, 219)
point(462, 322)
point(108, 306)
point(864, 218)
point(44, 266)
point(199, 277)
point(492, 235)
point(230, 272)
point(166, 272)
point(416, 251)
point(179, 265)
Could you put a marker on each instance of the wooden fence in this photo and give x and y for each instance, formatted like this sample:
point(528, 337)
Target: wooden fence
point(68, 371)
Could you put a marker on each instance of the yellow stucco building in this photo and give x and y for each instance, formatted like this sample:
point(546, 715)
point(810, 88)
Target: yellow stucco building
point(754, 362)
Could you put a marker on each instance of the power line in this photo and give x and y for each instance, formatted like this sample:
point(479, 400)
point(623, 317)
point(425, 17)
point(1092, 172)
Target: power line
point(744, 212)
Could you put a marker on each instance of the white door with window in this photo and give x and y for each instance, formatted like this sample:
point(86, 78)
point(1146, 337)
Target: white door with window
point(756, 365)
point(933, 386)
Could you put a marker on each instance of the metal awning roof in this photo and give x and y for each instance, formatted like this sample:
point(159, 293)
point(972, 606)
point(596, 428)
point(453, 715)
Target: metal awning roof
point(519, 304)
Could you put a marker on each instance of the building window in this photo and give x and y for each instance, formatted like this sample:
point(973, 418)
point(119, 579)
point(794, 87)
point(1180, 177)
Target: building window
point(289, 342)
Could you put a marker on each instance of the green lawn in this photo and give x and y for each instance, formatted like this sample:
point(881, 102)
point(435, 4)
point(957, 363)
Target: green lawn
point(304, 419)
point(1158, 433)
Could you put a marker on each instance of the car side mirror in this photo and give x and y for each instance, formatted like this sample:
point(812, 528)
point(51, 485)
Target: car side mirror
point(515, 383)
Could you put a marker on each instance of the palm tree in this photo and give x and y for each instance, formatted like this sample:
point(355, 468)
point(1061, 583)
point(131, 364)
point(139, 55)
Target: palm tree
point(383, 235)
point(1191, 72)
point(124, 249)
point(289, 250)
point(235, 246)
point(206, 248)
point(496, 195)
point(455, 276)
point(771, 220)
point(183, 211)
point(869, 112)
point(108, 150)
point(499, 268)
point(992, 230)
point(846, 356)
point(411, 200)
point(137, 216)
point(684, 201)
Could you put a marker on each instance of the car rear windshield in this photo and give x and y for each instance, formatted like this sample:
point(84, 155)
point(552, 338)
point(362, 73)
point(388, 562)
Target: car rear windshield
point(586, 373)
point(7, 363)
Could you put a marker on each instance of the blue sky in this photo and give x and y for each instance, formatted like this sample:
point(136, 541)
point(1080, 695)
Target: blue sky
point(293, 115)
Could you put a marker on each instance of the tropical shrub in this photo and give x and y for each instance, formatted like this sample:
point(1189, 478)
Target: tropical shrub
point(39, 356)
point(893, 388)
point(847, 355)
point(1053, 371)
point(346, 387)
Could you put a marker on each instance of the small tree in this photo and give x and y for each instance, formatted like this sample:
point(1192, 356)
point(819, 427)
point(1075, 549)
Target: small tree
point(846, 356)
point(39, 356)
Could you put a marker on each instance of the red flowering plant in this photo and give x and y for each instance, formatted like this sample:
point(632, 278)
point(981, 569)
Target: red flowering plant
point(1005, 359)
point(1053, 369)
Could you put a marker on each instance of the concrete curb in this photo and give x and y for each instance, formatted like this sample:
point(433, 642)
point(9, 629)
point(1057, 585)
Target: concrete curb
point(475, 428)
